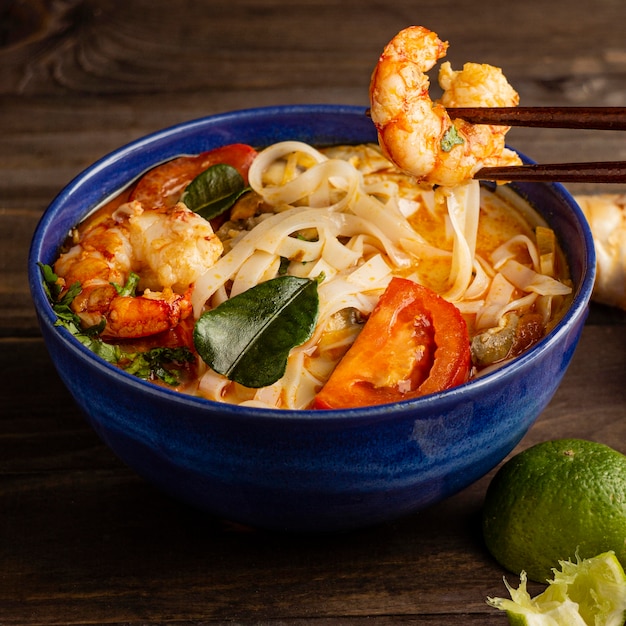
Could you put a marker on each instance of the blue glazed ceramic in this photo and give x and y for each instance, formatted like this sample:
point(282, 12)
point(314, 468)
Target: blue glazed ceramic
point(306, 470)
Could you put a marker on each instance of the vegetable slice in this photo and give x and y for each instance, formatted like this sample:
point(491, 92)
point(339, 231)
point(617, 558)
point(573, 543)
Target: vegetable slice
point(414, 343)
point(248, 338)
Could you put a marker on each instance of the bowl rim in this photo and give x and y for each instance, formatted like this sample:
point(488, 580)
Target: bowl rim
point(438, 401)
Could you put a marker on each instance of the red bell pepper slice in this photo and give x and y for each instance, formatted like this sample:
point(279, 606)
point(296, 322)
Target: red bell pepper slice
point(413, 344)
point(163, 185)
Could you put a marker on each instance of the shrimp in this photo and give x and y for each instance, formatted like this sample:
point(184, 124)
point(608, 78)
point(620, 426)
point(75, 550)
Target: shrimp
point(163, 185)
point(168, 249)
point(417, 133)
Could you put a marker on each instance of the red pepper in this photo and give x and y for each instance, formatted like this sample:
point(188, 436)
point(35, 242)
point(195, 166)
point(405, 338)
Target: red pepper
point(413, 344)
point(164, 184)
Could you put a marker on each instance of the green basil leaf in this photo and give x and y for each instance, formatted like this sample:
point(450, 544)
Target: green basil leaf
point(248, 338)
point(450, 139)
point(214, 191)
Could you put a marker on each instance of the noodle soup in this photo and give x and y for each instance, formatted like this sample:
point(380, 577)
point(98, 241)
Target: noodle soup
point(288, 266)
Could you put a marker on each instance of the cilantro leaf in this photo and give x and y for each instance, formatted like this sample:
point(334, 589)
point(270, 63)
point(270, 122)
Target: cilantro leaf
point(450, 139)
point(130, 288)
point(157, 363)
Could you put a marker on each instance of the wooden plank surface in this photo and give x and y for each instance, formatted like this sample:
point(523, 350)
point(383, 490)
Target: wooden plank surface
point(83, 540)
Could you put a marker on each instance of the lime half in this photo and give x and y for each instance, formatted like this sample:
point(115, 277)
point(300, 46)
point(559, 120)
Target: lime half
point(589, 592)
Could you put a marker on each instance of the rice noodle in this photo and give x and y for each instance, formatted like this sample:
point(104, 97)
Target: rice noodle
point(527, 279)
point(357, 227)
point(463, 209)
point(508, 251)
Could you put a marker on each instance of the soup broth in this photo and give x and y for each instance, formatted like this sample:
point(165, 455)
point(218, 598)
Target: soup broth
point(144, 269)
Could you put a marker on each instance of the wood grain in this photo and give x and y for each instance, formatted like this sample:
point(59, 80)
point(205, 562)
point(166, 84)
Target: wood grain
point(83, 540)
point(82, 535)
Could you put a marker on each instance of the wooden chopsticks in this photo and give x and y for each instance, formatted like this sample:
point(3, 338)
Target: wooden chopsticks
point(598, 172)
point(582, 118)
point(590, 118)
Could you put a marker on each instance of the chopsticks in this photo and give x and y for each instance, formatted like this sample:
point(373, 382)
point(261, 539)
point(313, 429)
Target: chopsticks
point(590, 118)
point(582, 118)
point(598, 172)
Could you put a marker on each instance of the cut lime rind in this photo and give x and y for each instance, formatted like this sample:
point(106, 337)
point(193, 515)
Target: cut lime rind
point(589, 592)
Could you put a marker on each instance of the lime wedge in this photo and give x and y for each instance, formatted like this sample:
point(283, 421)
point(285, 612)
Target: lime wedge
point(590, 592)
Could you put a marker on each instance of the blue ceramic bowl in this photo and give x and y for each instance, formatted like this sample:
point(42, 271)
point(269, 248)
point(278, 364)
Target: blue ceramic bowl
point(305, 470)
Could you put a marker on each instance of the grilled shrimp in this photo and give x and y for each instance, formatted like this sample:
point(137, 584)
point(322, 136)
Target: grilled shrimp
point(167, 249)
point(417, 133)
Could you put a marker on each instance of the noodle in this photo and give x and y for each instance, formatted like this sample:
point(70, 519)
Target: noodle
point(361, 231)
point(348, 219)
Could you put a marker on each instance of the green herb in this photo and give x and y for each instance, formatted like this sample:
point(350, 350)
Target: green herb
point(157, 363)
point(248, 338)
point(450, 139)
point(130, 288)
point(62, 306)
point(50, 282)
point(214, 191)
point(154, 363)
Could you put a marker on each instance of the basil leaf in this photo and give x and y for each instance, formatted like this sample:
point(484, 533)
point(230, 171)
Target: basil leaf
point(450, 139)
point(214, 191)
point(248, 338)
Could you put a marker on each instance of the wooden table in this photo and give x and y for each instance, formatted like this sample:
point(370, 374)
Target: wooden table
point(83, 540)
